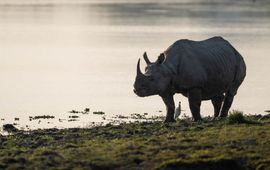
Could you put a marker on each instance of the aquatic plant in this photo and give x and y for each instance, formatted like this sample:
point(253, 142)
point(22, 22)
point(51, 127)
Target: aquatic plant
point(41, 117)
point(99, 113)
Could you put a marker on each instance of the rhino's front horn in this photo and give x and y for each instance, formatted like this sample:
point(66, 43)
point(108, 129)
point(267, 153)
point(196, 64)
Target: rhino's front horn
point(146, 58)
point(139, 73)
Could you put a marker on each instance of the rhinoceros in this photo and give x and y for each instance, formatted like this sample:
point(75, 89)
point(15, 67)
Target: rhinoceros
point(210, 69)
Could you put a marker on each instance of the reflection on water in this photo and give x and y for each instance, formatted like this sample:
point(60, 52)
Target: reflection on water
point(59, 57)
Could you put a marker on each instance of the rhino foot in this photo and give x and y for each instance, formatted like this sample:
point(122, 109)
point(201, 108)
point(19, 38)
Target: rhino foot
point(197, 120)
point(171, 120)
point(218, 118)
point(215, 118)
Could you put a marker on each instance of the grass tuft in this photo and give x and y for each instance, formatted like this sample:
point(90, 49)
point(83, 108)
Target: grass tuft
point(236, 117)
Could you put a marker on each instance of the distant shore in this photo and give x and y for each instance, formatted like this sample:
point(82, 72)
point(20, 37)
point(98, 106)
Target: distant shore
point(239, 142)
point(40, 2)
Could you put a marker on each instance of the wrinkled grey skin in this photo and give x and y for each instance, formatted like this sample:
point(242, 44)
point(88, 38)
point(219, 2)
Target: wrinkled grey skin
point(200, 70)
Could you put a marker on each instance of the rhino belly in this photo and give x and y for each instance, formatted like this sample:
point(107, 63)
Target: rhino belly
point(209, 89)
point(215, 88)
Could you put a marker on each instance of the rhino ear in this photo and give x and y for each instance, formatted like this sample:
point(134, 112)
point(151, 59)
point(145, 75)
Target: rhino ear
point(146, 58)
point(161, 58)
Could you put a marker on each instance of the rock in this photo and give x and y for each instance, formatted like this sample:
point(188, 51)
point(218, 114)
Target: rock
point(10, 128)
point(87, 110)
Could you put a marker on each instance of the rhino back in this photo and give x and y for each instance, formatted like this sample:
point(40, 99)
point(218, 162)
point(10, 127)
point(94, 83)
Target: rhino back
point(210, 64)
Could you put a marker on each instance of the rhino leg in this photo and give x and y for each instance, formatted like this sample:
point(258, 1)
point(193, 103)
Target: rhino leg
point(169, 102)
point(194, 99)
point(227, 104)
point(217, 103)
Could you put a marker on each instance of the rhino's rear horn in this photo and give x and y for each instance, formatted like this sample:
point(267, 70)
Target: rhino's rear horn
point(139, 73)
point(146, 58)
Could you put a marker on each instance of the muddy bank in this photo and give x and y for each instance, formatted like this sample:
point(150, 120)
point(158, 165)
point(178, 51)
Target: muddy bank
point(220, 144)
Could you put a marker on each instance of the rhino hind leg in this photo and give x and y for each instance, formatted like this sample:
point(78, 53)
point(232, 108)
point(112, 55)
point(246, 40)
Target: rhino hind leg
point(239, 78)
point(226, 104)
point(170, 107)
point(217, 103)
point(194, 99)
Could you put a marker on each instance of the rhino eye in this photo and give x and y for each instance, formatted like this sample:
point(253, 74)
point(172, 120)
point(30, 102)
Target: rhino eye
point(151, 79)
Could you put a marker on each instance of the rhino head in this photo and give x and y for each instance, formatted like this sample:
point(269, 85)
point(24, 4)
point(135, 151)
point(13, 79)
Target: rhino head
point(154, 80)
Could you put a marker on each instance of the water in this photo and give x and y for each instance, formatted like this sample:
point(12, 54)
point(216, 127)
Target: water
point(59, 56)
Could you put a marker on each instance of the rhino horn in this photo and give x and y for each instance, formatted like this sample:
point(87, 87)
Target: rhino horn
point(139, 73)
point(146, 58)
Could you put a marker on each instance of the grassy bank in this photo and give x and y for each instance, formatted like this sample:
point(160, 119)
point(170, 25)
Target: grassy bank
point(235, 143)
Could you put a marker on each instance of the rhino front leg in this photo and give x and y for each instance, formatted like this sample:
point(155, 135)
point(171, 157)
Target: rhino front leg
point(169, 102)
point(194, 99)
point(217, 103)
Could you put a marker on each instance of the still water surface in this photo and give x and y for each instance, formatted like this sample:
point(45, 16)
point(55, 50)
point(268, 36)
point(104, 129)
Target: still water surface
point(56, 57)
